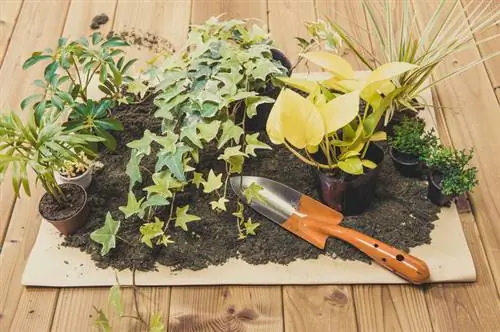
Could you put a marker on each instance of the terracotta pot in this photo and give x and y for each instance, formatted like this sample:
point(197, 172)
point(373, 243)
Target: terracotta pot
point(83, 180)
point(406, 164)
point(76, 220)
point(353, 194)
point(434, 193)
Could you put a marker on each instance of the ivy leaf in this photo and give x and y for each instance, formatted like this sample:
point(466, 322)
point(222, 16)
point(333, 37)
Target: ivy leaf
point(143, 145)
point(236, 164)
point(151, 230)
point(189, 131)
point(239, 213)
point(115, 299)
point(197, 179)
point(155, 200)
point(213, 182)
point(263, 68)
point(229, 131)
point(250, 226)
point(163, 183)
point(165, 240)
point(253, 192)
point(136, 87)
point(155, 323)
point(182, 217)
point(208, 130)
point(254, 143)
point(102, 322)
point(219, 204)
point(133, 206)
point(233, 151)
point(173, 161)
point(133, 171)
point(106, 235)
point(253, 102)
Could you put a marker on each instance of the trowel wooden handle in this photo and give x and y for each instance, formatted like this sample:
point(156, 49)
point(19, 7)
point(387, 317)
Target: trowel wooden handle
point(405, 265)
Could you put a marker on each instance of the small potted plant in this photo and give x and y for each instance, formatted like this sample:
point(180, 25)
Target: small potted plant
point(410, 144)
point(450, 174)
point(45, 147)
point(327, 130)
point(77, 171)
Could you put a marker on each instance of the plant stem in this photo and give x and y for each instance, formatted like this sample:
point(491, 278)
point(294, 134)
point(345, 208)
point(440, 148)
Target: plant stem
point(170, 214)
point(304, 159)
point(136, 300)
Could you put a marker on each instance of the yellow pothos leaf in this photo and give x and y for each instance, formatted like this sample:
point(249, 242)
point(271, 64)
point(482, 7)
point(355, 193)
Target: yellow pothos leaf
point(351, 165)
point(388, 71)
point(301, 123)
point(378, 136)
point(299, 83)
point(273, 124)
point(331, 63)
point(312, 148)
point(368, 163)
point(340, 111)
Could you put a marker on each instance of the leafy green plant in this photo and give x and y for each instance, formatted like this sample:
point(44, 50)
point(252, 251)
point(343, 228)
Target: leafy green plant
point(458, 177)
point(410, 137)
point(44, 147)
point(397, 37)
point(73, 66)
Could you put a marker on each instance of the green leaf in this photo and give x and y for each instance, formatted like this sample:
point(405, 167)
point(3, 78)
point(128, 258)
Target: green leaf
point(368, 163)
point(96, 38)
point(106, 235)
point(34, 59)
point(143, 145)
point(208, 130)
point(197, 179)
point(115, 299)
point(254, 143)
point(136, 87)
point(233, 151)
point(351, 165)
point(263, 68)
point(102, 322)
point(182, 217)
point(220, 204)
point(150, 231)
point(173, 161)
point(253, 192)
point(155, 323)
point(29, 100)
point(191, 133)
point(239, 213)
point(155, 200)
point(133, 206)
point(229, 131)
point(236, 164)
point(253, 102)
point(213, 182)
point(114, 42)
point(163, 183)
point(250, 226)
point(133, 171)
point(109, 124)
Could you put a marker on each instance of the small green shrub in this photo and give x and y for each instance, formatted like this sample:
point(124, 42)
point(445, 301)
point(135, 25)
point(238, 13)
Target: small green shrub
point(458, 178)
point(411, 137)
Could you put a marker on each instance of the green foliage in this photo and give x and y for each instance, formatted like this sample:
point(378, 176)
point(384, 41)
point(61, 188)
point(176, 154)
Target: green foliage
point(213, 182)
point(102, 322)
point(154, 230)
point(133, 206)
point(458, 176)
point(155, 323)
point(106, 235)
point(115, 299)
point(44, 147)
point(411, 137)
point(182, 217)
point(253, 192)
point(245, 227)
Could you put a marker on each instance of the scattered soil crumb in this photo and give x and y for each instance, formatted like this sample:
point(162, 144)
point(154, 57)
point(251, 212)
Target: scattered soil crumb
point(99, 20)
point(144, 39)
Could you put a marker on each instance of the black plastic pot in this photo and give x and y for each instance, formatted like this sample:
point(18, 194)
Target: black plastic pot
point(434, 193)
point(79, 218)
point(407, 164)
point(258, 122)
point(351, 194)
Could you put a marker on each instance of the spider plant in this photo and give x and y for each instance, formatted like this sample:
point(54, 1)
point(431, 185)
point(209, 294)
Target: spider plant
point(446, 33)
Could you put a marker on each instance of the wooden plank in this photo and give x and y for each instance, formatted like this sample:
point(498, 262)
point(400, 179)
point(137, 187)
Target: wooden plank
point(235, 308)
point(35, 310)
point(9, 12)
point(286, 21)
point(493, 46)
point(319, 308)
point(254, 9)
point(472, 115)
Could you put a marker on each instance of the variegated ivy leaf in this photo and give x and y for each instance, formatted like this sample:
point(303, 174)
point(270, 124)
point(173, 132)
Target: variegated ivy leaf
point(167, 141)
point(191, 133)
point(236, 164)
point(163, 183)
point(102, 322)
point(165, 110)
point(213, 182)
point(229, 82)
point(106, 235)
point(182, 217)
point(220, 204)
point(239, 213)
point(174, 161)
point(209, 102)
point(263, 68)
point(242, 94)
point(151, 230)
point(115, 299)
point(250, 226)
point(187, 167)
point(133, 171)
point(233, 151)
point(254, 143)
point(155, 200)
point(253, 192)
point(197, 179)
point(143, 145)
point(208, 130)
point(155, 323)
point(133, 206)
point(136, 87)
point(251, 104)
point(229, 131)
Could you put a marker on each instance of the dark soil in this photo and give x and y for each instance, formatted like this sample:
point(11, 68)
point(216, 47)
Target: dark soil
point(99, 20)
point(142, 39)
point(399, 215)
point(55, 211)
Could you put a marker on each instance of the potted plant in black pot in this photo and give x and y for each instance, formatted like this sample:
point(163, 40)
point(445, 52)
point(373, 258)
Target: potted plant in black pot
point(410, 144)
point(450, 174)
point(45, 147)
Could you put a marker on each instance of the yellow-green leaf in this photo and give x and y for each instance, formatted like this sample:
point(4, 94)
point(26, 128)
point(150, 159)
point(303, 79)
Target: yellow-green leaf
point(331, 63)
point(213, 182)
point(220, 204)
point(273, 125)
point(379, 136)
point(155, 323)
point(388, 71)
point(302, 84)
point(115, 299)
point(133, 206)
point(368, 163)
point(351, 165)
point(182, 217)
point(340, 111)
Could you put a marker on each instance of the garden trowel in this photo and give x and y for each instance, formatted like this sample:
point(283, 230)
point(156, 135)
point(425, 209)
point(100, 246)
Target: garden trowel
point(315, 222)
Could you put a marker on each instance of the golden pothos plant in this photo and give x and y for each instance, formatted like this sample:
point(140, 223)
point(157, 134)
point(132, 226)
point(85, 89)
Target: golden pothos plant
point(328, 119)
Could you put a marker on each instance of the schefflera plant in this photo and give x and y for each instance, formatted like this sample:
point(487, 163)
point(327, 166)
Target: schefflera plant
point(222, 68)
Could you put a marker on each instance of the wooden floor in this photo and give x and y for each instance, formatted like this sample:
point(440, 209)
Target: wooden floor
point(471, 119)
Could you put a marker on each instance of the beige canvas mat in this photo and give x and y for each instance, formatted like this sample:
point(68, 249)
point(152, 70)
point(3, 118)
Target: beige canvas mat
point(448, 258)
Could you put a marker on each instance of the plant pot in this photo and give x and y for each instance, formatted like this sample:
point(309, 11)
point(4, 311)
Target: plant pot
point(434, 193)
point(72, 216)
point(258, 122)
point(407, 164)
point(352, 194)
point(83, 179)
